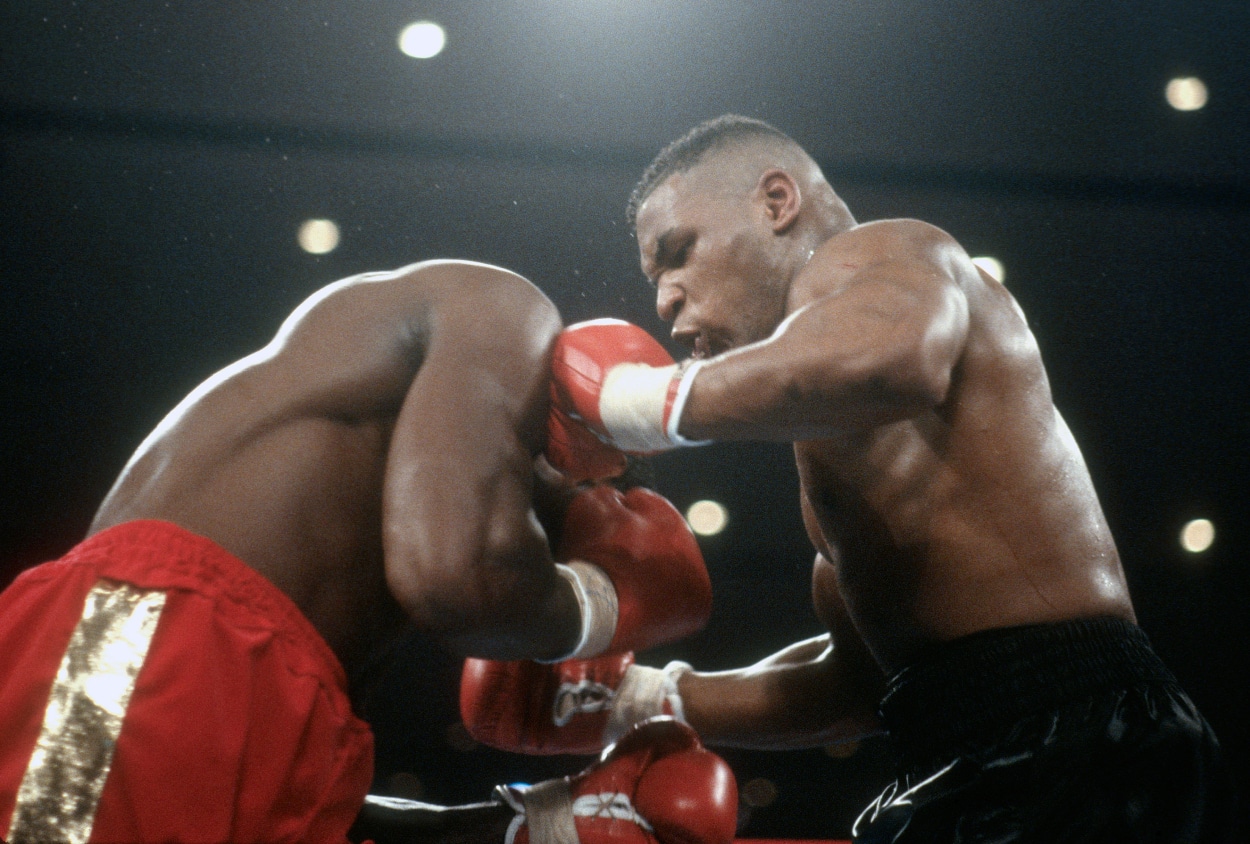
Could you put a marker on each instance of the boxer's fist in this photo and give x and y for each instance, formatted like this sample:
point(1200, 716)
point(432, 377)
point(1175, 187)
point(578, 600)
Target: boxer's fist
point(575, 706)
point(575, 451)
point(537, 708)
point(619, 381)
point(642, 544)
point(657, 784)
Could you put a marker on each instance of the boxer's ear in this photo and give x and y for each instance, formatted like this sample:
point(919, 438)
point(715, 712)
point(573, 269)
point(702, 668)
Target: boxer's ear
point(781, 198)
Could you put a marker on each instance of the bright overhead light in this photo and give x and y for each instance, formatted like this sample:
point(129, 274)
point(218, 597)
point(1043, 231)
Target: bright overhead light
point(707, 517)
point(317, 237)
point(1186, 93)
point(1197, 536)
point(422, 40)
point(993, 266)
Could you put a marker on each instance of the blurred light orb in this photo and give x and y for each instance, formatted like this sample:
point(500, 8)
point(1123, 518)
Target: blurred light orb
point(707, 517)
point(993, 266)
point(1197, 536)
point(406, 785)
point(422, 40)
point(759, 792)
point(317, 237)
point(1186, 93)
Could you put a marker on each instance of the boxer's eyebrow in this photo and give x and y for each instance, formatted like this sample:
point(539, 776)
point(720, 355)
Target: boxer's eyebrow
point(660, 255)
point(663, 245)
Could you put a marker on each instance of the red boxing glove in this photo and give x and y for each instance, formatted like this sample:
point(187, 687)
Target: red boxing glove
point(575, 706)
point(636, 568)
point(657, 785)
point(619, 381)
point(575, 451)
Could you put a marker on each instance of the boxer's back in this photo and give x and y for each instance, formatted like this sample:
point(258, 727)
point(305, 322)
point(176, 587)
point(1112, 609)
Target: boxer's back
point(281, 457)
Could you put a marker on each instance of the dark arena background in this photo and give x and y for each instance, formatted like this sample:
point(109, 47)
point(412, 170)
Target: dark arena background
point(161, 160)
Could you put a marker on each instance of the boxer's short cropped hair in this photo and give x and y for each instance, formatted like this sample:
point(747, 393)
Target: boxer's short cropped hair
point(688, 150)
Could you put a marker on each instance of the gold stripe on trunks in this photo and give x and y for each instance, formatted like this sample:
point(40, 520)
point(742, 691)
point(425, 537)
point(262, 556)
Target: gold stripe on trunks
point(61, 788)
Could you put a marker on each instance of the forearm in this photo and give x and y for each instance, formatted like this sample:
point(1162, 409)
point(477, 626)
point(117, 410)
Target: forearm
point(524, 617)
point(800, 697)
point(466, 557)
point(807, 382)
point(750, 396)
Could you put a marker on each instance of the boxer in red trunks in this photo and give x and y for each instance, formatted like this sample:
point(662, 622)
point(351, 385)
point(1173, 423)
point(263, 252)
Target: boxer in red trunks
point(180, 675)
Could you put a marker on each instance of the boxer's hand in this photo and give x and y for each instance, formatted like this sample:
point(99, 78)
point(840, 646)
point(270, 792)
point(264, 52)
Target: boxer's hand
point(657, 784)
point(575, 706)
point(575, 451)
point(620, 382)
point(636, 568)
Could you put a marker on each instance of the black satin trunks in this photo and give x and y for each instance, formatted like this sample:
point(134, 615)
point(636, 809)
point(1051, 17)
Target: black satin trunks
point(1070, 732)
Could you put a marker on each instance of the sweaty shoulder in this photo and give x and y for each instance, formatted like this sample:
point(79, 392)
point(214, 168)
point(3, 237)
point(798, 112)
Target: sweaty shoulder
point(409, 297)
point(362, 338)
point(899, 248)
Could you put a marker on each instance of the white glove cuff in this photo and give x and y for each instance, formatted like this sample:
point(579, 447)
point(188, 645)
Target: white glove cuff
point(600, 609)
point(672, 675)
point(547, 808)
point(631, 405)
point(642, 694)
point(679, 405)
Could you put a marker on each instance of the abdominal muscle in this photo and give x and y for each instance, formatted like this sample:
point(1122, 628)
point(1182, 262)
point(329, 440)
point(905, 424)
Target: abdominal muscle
point(932, 541)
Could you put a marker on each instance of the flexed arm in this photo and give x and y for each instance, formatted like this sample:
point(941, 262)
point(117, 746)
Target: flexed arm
point(465, 554)
point(816, 692)
point(877, 325)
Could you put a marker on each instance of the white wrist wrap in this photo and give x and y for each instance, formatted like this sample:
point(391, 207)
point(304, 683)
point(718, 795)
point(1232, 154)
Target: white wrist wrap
point(641, 406)
point(642, 695)
point(672, 675)
point(631, 405)
point(679, 404)
point(596, 598)
point(547, 808)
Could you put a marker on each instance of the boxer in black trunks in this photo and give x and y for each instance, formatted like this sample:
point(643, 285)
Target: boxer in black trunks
point(964, 567)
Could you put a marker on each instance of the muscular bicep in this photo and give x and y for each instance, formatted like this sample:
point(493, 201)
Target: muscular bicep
point(458, 475)
point(464, 552)
point(875, 332)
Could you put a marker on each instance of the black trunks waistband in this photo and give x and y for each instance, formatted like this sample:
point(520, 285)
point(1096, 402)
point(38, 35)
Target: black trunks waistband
point(971, 686)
